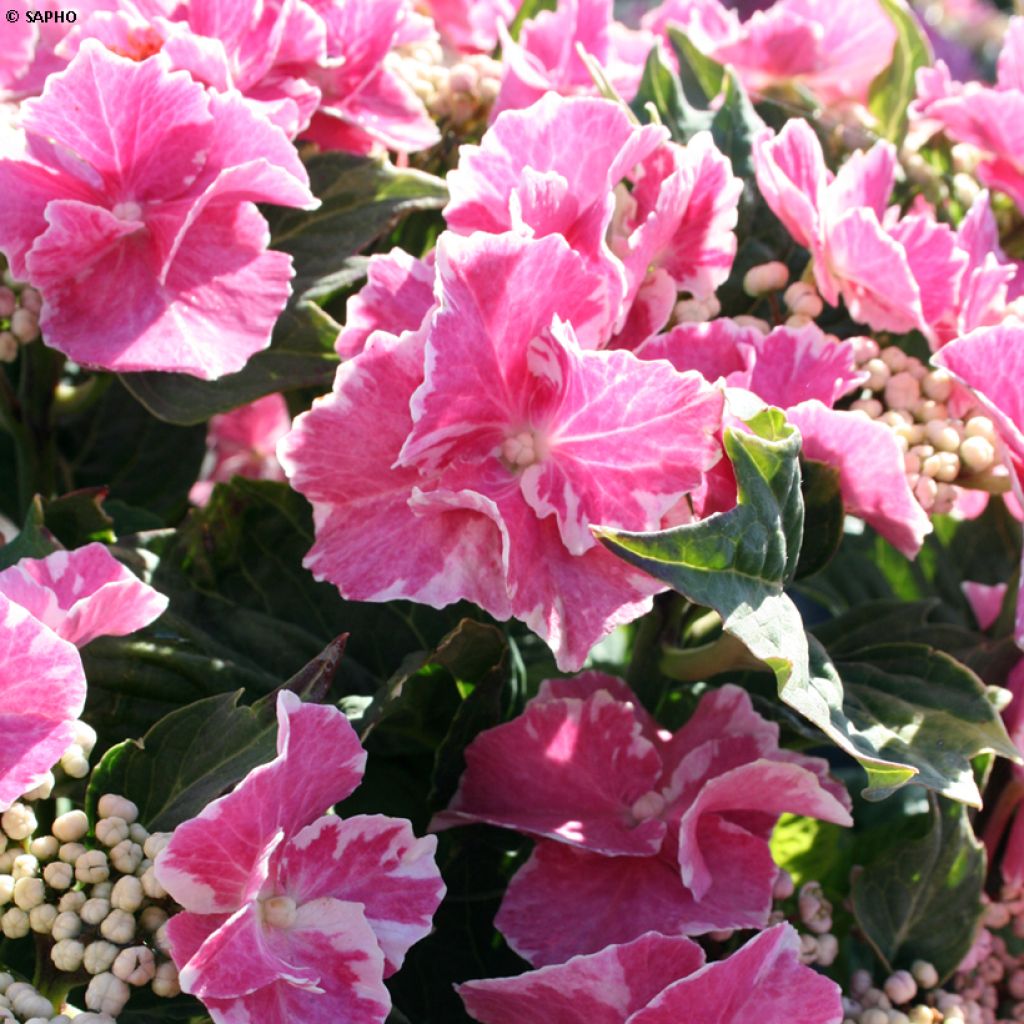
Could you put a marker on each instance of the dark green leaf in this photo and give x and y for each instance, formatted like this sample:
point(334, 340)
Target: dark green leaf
point(701, 77)
point(360, 199)
point(34, 540)
point(921, 900)
point(893, 90)
point(660, 89)
point(79, 518)
point(301, 355)
point(200, 751)
point(823, 516)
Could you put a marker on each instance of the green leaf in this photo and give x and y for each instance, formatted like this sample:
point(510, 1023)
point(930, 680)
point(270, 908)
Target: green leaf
point(360, 199)
point(34, 540)
point(922, 899)
point(661, 90)
point(301, 355)
point(921, 707)
point(202, 750)
point(701, 77)
point(893, 90)
point(79, 518)
point(823, 516)
point(739, 562)
point(529, 9)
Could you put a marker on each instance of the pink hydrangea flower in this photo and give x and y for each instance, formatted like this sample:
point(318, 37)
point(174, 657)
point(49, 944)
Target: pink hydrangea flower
point(893, 274)
point(142, 232)
point(490, 441)
point(243, 442)
point(804, 372)
point(835, 50)
point(545, 58)
point(636, 830)
point(262, 50)
point(983, 116)
point(397, 296)
point(660, 979)
point(48, 607)
point(678, 224)
point(471, 26)
point(526, 176)
point(291, 914)
point(365, 105)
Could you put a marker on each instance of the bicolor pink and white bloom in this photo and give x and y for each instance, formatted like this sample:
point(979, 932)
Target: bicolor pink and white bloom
point(835, 50)
point(49, 607)
point(142, 232)
point(637, 829)
point(291, 914)
point(804, 372)
point(489, 440)
point(243, 442)
point(894, 274)
point(546, 58)
point(661, 979)
point(983, 116)
point(471, 26)
point(527, 176)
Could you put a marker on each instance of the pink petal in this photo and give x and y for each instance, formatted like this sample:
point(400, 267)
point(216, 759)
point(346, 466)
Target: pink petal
point(792, 177)
point(865, 180)
point(935, 262)
point(1010, 66)
point(872, 478)
point(604, 988)
point(986, 601)
point(370, 860)
point(718, 350)
point(42, 693)
point(764, 978)
point(569, 770)
point(451, 552)
point(794, 365)
point(616, 899)
point(82, 594)
point(651, 309)
point(218, 860)
point(471, 25)
point(398, 294)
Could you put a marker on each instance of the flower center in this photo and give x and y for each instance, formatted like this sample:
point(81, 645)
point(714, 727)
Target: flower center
point(650, 805)
point(127, 211)
point(279, 911)
point(521, 450)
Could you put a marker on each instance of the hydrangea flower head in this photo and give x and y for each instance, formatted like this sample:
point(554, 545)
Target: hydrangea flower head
point(291, 914)
point(661, 979)
point(676, 828)
point(48, 607)
point(490, 440)
point(141, 231)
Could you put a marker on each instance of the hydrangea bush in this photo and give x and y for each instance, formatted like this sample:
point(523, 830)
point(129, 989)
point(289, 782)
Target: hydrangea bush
point(511, 512)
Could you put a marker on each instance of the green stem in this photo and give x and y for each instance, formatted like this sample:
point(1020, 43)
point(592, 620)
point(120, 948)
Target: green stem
point(40, 369)
point(691, 664)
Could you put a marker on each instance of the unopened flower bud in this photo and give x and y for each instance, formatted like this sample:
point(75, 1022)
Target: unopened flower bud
point(113, 806)
point(24, 325)
point(765, 278)
point(44, 847)
point(900, 987)
point(808, 948)
point(926, 490)
point(95, 910)
point(58, 875)
point(66, 925)
point(893, 357)
point(928, 410)
point(165, 983)
point(6, 889)
point(977, 454)
point(99, 956)
point(71, 827)
point(18, 821)
point(70, 852)
point(803, 300)
point(74, 763)
point(784, 887)
point(981, 426)
point(902, 391)
point(753, 321)
point(828, 949)
point(85, 737)
point(155, 843)
point(136, 965)
point(92, 867)
point(29, 892)
point(119, 927)
point(41, 918)
point(25, 866)
point(72, 902)
point(67, 955)
point(879, 374)
point(872, 406)
point(101, 890)
point(937, 384)
point(8, 301)
point(107, 994)
point(920, 1014)
point(152, 888)
point(815, 910)
point(14, 923)
point(111, 831)
point(137, 834)
point(30, 299)
point(942, 435)
point(874, 1015)
point(161, 940)
point(127, 894)
point(126, 857)
point(152, 918)
point(29, 1003)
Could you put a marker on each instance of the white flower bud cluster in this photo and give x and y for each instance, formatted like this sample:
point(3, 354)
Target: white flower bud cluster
point(942, 452)
point(19, 1001)
point(19, 320)
point(93, 891)
point(75, 760)
point(458, 90)
point(801, 298)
